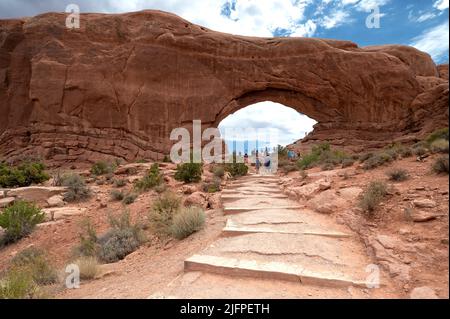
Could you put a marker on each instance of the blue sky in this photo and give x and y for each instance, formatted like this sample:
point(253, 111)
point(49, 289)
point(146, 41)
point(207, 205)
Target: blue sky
point(420, 23)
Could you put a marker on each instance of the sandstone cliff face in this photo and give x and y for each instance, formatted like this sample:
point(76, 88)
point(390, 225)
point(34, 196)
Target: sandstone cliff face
point(118, 85)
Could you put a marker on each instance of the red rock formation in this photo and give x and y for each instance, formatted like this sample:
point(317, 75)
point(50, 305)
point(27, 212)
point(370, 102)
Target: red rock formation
point(118, 85)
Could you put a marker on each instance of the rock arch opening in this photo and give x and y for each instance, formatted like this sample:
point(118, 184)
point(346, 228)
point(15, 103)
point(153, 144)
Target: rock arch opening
point(254, 120)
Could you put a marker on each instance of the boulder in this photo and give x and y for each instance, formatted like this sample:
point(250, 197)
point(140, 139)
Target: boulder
point(350, 193)
point(196, 199)
point(37, 194)
point(214, 201)
point(309, 190)
point(56, 201)
point(188, 189)
point(424, 203)
point(421, 216)
point(5, 202)
point(327, 202)
point(59, 213)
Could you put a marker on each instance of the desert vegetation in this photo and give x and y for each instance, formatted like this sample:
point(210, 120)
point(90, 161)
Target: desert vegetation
point(25, 174)
point(169, 218)
point(372, 196)
point(19, 220)
point(152, 179)
point(189, 172)
point(77, 190)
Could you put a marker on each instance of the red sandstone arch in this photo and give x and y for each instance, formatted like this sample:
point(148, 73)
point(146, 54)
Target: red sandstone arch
point(121, 83)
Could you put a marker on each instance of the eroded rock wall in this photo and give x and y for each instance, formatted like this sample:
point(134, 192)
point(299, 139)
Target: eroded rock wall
point(118, 85)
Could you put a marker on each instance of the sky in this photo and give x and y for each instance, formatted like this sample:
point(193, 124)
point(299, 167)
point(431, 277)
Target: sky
point(423, 24)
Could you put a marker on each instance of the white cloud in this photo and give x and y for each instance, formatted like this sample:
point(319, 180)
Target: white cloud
point(434, 41)
point(336, 19)
point(441, 4)
point(369, 5)
point(304, 30)
point(289, 124)
point(426, 16)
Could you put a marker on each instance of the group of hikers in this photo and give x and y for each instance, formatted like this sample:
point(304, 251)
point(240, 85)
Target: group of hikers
point(266, 161)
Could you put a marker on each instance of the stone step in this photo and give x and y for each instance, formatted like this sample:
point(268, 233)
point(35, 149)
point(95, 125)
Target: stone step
point(270, 270)
point(203, 285)
point(230, 230)
point(249, 192)
point(232, 197)
point(237, 210)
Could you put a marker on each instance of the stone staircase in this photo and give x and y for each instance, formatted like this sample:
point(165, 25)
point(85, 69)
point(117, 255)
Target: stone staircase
point(272, 247)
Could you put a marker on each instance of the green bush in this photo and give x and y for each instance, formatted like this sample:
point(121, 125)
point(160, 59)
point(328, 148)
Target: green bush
point(187, 221)
point(212, 187)
point(88, 240)
point(129, 198)
point(372, 196)
point(166, 159)
point(376, 160)
point(189, 172)
point(323, 155)
point(441, 165)
point(120, 182)
point(286, 166)
point(23, 175)
point(347, 162)
point(117, 195)
point(236, 169)
point(102, 168)
point(35, 262)
point(162, 213)
point(18, 284)
point(19, 221)
point(150, 180)
point(218, 171)
point(439, 146)
point(419, 150)
point(437, 135)
point(122, 239)
point(397, 174)
point(88, 266)
point(76, 188)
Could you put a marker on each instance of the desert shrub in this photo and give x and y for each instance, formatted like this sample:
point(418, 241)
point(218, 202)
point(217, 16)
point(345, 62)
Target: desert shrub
point(76, 188)
point(439, 146)
point(212, 186)
point(88, 266)
point(189, 172)
point(23, 175)
point(187, 221)
point(441, 165)
point(236, 169)
point(35, 262)
point(88, 240)
point(129, 198)
point(377, 160)
point(282, 152)
point(18, 284)
point(287, 166)
point(405, 152)
point(19, 221)
point(218, 171)
point(364, 157)
point(117, 195)
point(102, 168)
point(323, 155)
point(162, 213)
point(397, 174)
point(166, 159)
point(150, 180)
point(57, 179)
point(327, 166)
point(122, 239)
point(120, 182)
point(437, 135)
point(161, 188)
point(131, 171)
point(347, 162)
point(308, 161)
point(419, 150)
point(372, 196)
